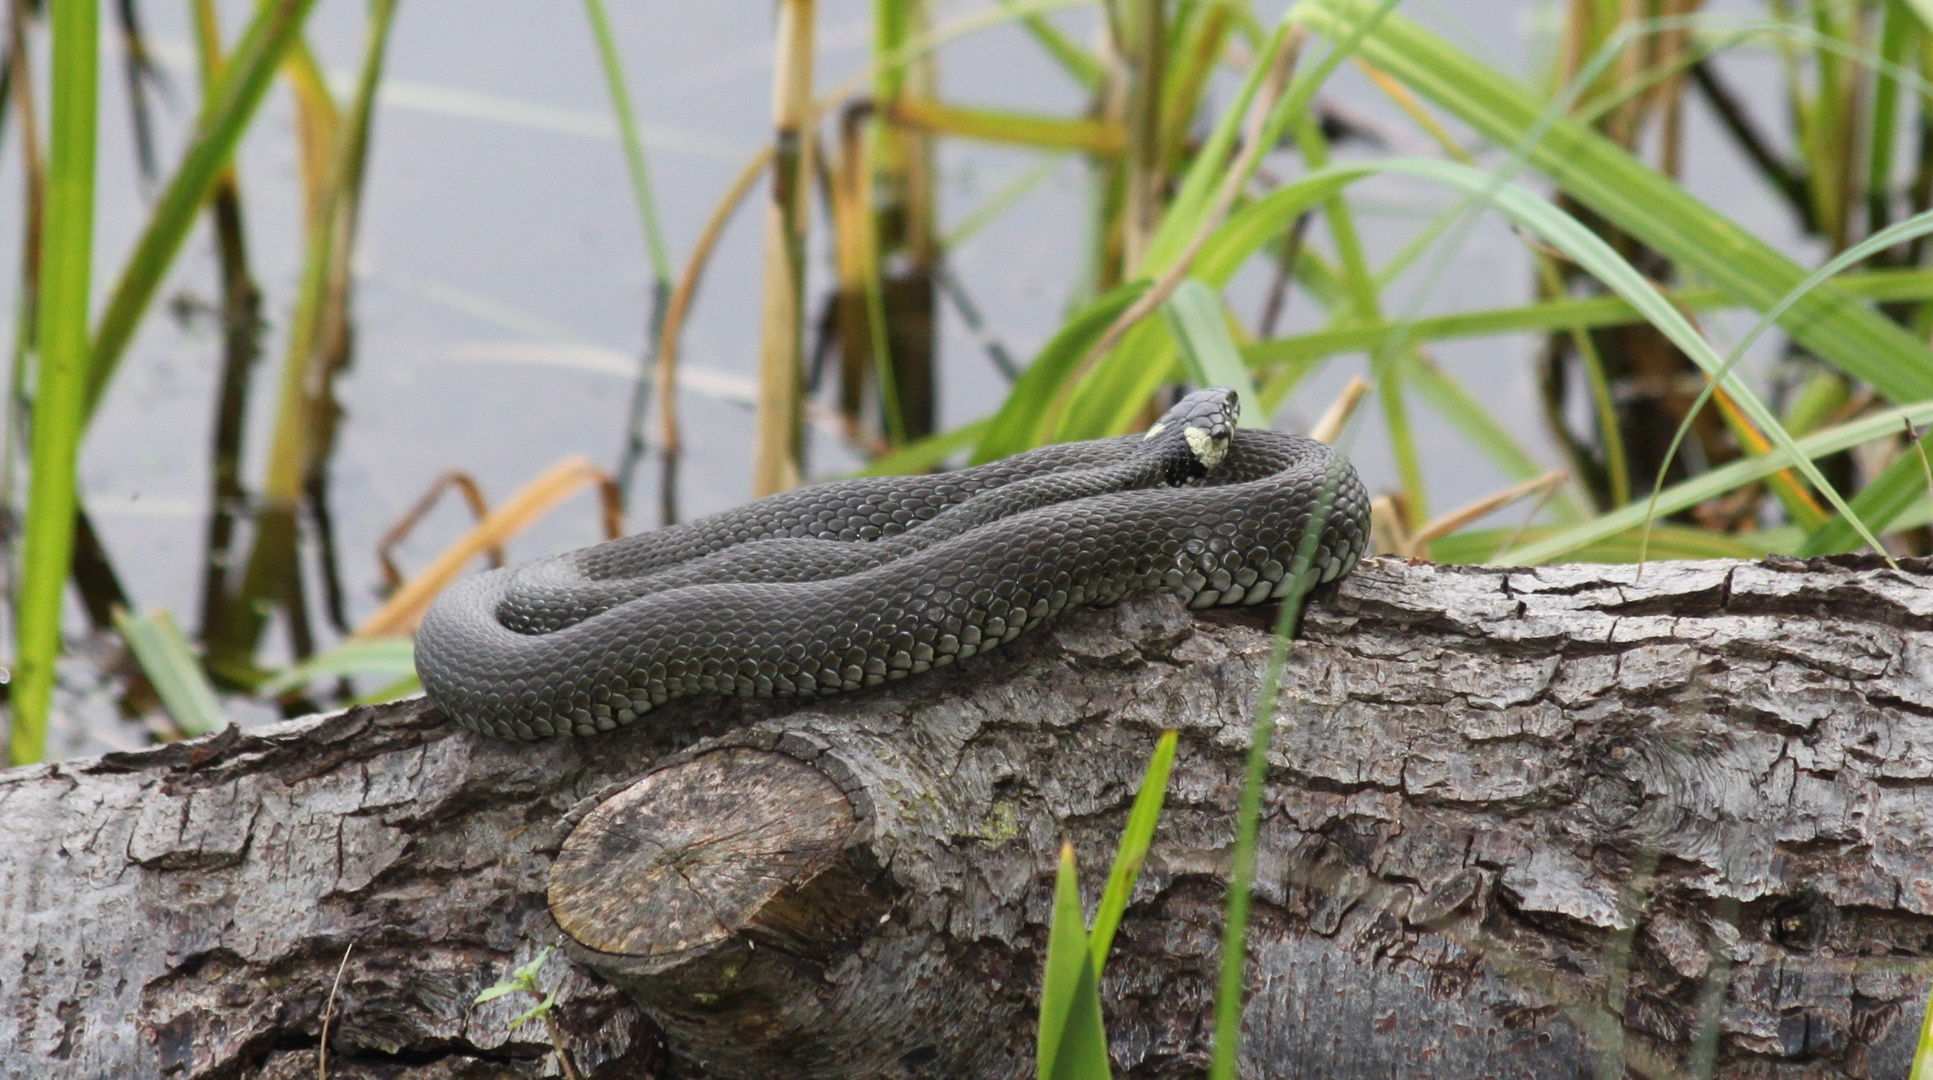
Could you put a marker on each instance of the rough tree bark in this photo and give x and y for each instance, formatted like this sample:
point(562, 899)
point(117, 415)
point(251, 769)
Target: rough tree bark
point(1528, 823)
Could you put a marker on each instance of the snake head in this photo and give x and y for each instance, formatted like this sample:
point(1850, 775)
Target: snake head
point(1203, 423)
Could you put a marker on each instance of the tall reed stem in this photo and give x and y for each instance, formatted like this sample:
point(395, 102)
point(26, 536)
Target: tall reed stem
point(60, 398)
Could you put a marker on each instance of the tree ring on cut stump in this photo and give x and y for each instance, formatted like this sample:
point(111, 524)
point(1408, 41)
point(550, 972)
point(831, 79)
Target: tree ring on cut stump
point(693, 854)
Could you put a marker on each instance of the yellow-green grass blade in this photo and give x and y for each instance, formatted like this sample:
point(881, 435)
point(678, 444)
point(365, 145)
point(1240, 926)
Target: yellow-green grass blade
point(393, 657)
point(1113, 399)
point(1102, 138)
point(60, 401)
point(171, 665)
point(1135, 841)
point(921, 456)
point(1021, 423)
point(1668, 541)
point(1198, 322)
point(1923, 1051)
point(245, 79)
point(1246, 232)
point(401, 688)
point(1638, 200)
point(1546, 316)
point(1073, 1041)
point(1718, 481)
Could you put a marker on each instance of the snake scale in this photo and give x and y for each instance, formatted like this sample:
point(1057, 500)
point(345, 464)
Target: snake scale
point(849, 584)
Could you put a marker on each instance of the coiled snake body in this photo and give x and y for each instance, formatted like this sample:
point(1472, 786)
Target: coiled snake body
point(850, 584)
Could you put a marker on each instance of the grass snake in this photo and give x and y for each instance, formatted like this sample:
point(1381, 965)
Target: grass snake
point(850, 584)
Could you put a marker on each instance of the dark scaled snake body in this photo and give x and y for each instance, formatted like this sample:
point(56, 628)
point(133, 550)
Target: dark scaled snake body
point(850, 584)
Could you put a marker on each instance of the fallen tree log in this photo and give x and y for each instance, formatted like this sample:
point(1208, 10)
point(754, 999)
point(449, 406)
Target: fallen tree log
point(1532, 823)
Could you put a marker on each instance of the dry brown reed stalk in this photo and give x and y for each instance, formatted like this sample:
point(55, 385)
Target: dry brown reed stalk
point(778, 435)
point(404, 609)
point(670, 438)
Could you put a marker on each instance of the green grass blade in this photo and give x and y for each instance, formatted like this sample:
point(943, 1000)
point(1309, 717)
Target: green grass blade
point(1071, 1032)
point(1248, 815)
point(1879, 504)
point(1918, 225)
point(172, 666)
point(245, 79)
point(1718, 481)
point(1083, 66)
point(1135, 841)
point(66, 258)
point(394, 657)
point(1021, 423)
point(1588, 314)
point(627, 125)
point(1198, 322)
point(1651, 207)
point(921, 456)
point(1923, 1052)
point(1668, 541)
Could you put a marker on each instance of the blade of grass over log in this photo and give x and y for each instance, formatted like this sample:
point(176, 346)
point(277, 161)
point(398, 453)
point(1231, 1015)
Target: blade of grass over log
point(1135, 841)
point(1651, 207)
point(60, 400)
point(245, 78)
point(1253, 225)
point(1923, 1050)
point(1073, 1041)
point(1718, 481)
point(1248, 817)
point(171, 665)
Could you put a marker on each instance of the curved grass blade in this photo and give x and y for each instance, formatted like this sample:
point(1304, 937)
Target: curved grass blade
point(394, 657)
point(923, 455)
point(1915, 226)
point(171, 665)
point(1719, 481)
